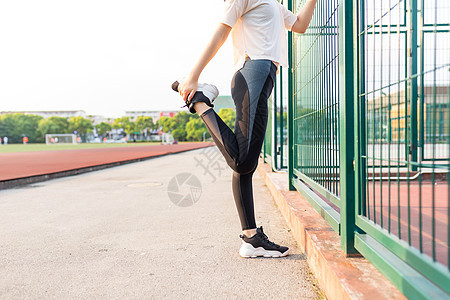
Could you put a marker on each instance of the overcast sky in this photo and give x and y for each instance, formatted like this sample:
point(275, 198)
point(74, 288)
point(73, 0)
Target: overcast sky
point(104, 56)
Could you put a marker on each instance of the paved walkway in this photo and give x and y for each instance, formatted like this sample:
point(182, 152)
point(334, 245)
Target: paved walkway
point(116, 233)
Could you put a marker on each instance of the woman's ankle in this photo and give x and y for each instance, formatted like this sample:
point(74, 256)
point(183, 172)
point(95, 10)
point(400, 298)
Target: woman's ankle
point(201, 107)
point(249, 232)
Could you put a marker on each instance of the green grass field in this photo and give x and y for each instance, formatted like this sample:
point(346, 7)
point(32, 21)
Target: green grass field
point(43, 147)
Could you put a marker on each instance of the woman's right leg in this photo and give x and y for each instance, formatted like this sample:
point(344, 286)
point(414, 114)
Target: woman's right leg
point(223, 136)
point(242, 188)
point(251, 87)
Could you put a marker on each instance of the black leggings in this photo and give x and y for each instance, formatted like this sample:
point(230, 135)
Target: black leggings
point(250, 88)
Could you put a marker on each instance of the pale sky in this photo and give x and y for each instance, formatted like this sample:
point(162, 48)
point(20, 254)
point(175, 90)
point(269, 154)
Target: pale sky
point(105, 56)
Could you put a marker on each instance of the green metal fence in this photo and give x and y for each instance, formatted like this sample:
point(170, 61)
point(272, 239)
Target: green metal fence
point(369, 132)
point(403, 156)
point(315, 92)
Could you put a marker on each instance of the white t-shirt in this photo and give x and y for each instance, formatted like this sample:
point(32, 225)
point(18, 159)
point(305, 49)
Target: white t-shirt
point(258, 29)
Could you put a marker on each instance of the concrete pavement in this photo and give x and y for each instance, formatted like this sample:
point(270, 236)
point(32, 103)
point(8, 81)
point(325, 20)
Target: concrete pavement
point(116, 233)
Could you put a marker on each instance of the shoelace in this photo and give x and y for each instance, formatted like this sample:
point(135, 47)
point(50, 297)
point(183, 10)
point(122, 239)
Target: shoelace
point(187, 103)
point(265, 238)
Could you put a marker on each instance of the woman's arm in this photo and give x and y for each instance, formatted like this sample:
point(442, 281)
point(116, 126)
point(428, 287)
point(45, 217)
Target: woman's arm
point(304, 17)
point(189, 86)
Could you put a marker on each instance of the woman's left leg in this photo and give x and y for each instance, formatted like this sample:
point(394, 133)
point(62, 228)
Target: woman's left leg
point(254, 241)
point(241, 149)
point(242, 182)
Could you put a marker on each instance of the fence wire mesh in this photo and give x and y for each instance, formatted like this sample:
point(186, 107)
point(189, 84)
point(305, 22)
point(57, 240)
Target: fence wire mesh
point(316, 98)
point(401, 125)
point(406, 70)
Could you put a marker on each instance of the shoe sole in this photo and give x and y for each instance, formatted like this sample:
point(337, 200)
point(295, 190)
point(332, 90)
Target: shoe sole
point(248, 251)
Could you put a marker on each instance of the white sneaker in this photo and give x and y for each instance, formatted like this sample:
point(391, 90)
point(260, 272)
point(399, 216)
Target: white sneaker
point(260, 245)
point(206, 93)
point(209, 90)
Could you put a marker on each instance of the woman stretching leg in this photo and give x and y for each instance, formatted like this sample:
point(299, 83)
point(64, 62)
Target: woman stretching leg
point(258, 39)
point(251, 88)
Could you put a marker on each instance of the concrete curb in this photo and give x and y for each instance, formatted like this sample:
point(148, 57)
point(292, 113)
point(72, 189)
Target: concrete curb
point(12, 183)
point(340, 277)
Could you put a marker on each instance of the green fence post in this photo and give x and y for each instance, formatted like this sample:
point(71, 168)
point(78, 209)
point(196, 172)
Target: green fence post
point(275, 126)
point(360, 107)
point(346, 125)
point(264, 148)
point(290, 109)
point(281, 120)
point(412, 66)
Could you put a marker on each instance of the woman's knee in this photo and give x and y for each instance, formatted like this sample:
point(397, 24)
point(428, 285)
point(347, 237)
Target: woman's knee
point(246, 168)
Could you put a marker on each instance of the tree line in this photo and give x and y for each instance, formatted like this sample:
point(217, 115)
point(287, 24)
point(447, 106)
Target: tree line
point(183, 126)
point(190, 127)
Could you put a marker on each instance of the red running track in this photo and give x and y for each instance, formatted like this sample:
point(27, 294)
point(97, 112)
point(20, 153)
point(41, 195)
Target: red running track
point(26, 164)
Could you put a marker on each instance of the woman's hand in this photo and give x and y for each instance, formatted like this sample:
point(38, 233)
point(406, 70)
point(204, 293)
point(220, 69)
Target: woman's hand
point(187, 88)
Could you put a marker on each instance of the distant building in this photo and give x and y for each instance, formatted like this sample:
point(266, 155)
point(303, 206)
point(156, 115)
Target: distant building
point(97, 119)
point(51, 113)
point(154, 114)
point(391, 114)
